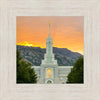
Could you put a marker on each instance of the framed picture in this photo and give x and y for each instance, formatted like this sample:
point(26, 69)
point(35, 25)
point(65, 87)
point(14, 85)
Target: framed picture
point(21, 21)
point(51, 47)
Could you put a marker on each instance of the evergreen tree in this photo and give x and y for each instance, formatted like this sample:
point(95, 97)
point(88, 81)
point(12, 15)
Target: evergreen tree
point(76, 74)
point(25, 74)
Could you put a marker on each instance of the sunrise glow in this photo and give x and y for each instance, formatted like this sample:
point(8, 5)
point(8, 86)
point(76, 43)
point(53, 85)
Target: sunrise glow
point(67, 32)
point(29, 44)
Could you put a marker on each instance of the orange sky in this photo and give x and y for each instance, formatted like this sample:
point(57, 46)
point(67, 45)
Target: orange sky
point(67, 32)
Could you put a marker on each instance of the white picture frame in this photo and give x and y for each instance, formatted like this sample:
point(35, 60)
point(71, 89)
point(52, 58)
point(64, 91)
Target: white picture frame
point(9, 89)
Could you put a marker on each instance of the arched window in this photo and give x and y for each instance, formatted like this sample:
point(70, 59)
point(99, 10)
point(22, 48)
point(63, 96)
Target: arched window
point(49, 82)
point(49, 73)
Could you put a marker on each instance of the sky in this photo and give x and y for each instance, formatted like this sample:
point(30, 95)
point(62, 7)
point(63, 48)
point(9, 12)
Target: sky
point(66, 31)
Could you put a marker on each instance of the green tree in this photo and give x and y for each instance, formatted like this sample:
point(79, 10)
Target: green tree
point(25, 74)
point(76, 74)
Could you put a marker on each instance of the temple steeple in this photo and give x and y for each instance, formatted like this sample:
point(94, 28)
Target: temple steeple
point(49, 56)
point(49, 28)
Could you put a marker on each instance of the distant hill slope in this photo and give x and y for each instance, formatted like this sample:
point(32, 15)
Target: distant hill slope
point(36, 54)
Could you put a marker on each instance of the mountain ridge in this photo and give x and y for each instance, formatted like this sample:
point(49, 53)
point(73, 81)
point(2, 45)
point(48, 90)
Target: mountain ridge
point(35, 55)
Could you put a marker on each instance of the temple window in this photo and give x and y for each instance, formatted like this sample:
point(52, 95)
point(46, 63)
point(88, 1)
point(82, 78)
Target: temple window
point(49, 73)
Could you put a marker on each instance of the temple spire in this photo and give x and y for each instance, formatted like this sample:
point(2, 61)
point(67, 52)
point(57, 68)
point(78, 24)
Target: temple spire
point(49, 28)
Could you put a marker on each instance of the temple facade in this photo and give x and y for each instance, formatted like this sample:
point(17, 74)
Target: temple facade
point(49, 71)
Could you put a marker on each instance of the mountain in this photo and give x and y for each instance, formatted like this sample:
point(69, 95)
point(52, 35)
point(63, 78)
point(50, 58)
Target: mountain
point(34, 55)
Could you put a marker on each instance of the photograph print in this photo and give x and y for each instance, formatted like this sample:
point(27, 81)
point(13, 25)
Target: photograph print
point(49, 50)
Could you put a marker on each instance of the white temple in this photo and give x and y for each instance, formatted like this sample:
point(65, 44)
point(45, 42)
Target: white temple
point(49, 71)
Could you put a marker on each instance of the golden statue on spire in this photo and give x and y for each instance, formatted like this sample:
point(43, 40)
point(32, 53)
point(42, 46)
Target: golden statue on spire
point(49, 22)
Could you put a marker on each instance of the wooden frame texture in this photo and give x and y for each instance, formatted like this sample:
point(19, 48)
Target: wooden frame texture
point(9, 10)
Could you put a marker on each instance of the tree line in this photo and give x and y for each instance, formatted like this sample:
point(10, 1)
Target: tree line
point(25, 73)
point(77, 74)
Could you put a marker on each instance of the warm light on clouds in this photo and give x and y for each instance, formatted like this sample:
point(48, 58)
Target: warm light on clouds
point(29, 45)
point(67, 32)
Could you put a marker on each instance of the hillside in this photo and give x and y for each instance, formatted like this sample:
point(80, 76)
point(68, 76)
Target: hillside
point(36, 54)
